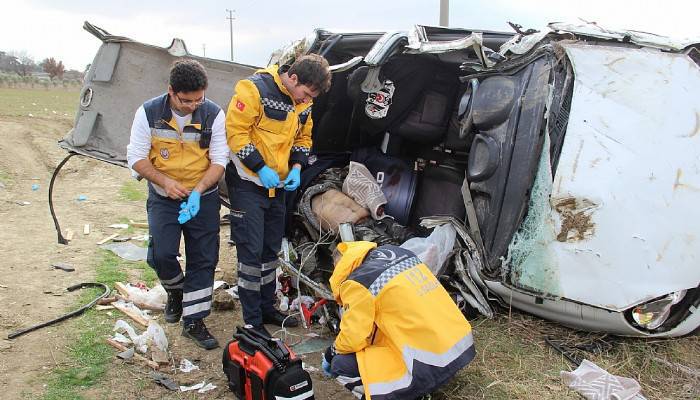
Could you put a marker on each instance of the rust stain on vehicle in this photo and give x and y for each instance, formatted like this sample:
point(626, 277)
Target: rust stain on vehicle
point(576, 219)
point(677, 184)
point(696, 129)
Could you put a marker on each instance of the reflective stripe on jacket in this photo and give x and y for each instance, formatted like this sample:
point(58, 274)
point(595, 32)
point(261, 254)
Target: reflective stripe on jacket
point(183, 156)
point(265, 127)
point(408, 334)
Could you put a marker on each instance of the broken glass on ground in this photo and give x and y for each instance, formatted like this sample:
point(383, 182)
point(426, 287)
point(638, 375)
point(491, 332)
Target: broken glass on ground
point(127, 251)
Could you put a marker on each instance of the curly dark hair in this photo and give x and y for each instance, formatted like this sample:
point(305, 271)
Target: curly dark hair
point(188, 76)
point(313, 71)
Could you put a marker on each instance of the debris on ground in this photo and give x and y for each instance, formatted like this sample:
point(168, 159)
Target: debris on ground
point(187, 366)
point(63, 267)
point(137, 357)
point(137, 224)
point(132, 312)
point(119, 226)
point(165, 381)
point(108, 238)
point(143, 297)
point(201, 387)
point(593, 382)
point(82, 197)
point(127, 251)
point(86, 229)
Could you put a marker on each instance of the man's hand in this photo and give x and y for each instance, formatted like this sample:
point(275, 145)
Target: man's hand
point(293, 179)
point(326, 362)
point(193, 203)
point(184, 214)
point(268, 177)
point(174, 189)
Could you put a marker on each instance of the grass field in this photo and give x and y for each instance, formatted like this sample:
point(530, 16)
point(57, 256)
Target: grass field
point(39, 102)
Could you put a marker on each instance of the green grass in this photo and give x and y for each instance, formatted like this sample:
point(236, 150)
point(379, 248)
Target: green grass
point(59, 103)
point(88, 356)
point(133, 191)
point(5, 178)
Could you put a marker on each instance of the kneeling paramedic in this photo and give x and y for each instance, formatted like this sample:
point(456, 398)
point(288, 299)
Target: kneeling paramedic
point(401, 335)
point(268, 126)
point(178, 143)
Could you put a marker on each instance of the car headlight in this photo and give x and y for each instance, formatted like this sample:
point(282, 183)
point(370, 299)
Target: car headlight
point(653, 314)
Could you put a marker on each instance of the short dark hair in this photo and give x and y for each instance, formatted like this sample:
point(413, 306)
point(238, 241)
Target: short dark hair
point(313, 71)
point(188, 76)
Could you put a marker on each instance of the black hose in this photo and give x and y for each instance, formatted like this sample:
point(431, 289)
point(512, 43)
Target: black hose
point(61, 239)
point(70, 314)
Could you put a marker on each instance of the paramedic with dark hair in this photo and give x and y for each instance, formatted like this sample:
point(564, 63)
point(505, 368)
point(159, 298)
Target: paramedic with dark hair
point(401, 335)
point(268, 126)
point(178, 143)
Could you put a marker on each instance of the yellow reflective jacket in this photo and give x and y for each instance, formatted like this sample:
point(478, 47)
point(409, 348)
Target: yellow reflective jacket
point(407, 333)
point(265, 127)
point(183, 156)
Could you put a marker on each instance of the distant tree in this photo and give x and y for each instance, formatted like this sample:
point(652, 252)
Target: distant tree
point(8, 63)
point(25, 63)
point(53, 68)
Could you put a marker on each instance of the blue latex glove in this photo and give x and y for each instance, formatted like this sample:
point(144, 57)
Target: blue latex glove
point(193, 203)
point(293, 179)
point(268, 177)
point(326, 368)
point(184, 213)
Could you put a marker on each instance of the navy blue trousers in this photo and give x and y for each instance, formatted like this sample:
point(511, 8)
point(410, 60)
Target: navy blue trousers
point(257, 227)
point(201, 249)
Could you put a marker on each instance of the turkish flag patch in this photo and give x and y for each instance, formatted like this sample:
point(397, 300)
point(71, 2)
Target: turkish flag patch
point(240, 105)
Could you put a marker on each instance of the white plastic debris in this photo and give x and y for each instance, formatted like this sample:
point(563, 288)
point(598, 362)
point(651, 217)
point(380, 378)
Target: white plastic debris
point(218, 284)
point(140, 341)
point(233, 291)
point(207, 388)
point(118, 337)
point(187, 366)
point(593, 383)
point(193, 387)
point(156, 335)
point(307, 300)
point(434, 249)
point(119, 226)
point(155, 297)
point(201, 387)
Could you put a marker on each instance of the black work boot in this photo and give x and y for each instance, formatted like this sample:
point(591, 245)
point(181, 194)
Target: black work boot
point(197, 331)
point(277, 317)
point(173, 308)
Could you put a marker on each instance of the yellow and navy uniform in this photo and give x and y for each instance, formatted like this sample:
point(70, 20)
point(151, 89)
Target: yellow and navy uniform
point(408, 335)
point(182, 155)
point(265, 127)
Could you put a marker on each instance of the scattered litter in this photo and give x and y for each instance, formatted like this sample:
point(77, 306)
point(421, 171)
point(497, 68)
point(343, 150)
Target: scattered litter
point(2, 185)
point(142, 296)
point(165, 381)
point(127, 251)
point(69, 234)
point(593, 382)
point(187, 366)
point(159, 356)
point(137, 224)
point(35, 187)
point(139, 341)
point(119, 226)
point(3, 286)
point(86, 229)
point(308, 368)
point(132, 312)
point(193, 387)
point(108, 238)
point(82, 197)
point(30, 115)
point(63, 266)
point(120, 239)
point(233, 291)
point(434, 249)
point(218, 284)
point(23, 203)
point(101, 307)
point(307, 300)
point(142, 238)
point(121, 338)
point(207, 388)
point(127, 354)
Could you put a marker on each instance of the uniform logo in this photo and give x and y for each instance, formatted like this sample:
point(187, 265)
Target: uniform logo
point(384, 255)
point(298, 386)
point(165, 154)
point(240, 105)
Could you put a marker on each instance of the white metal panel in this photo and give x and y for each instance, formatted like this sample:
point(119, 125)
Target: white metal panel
point(631, 162)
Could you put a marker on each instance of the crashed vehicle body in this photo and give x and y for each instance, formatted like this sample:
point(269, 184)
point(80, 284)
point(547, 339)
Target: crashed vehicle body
point(567, 161)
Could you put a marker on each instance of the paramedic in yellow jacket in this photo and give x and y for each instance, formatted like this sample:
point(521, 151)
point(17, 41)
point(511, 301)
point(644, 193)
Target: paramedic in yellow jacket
point(178, 143)
point(268, 126)
point(401, 335)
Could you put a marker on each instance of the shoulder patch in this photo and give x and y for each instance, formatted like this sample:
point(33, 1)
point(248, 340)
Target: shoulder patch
point(240, 105)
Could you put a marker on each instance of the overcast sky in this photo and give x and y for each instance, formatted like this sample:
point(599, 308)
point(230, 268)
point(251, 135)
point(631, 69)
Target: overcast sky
point(53, 28)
